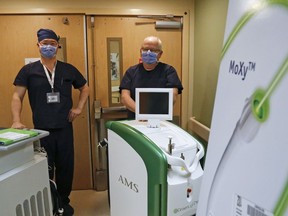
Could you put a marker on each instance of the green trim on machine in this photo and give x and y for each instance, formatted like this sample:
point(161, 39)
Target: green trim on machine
point(155, 162)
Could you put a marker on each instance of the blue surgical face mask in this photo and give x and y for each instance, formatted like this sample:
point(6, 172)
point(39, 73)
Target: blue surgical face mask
point(149, 57)
point(48, 51)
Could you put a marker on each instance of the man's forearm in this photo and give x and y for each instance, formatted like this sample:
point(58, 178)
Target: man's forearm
point(129, 103)
point(83, 97)
point(16, 108)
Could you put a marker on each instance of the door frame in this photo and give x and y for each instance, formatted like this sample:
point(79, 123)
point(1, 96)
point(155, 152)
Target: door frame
point(186, 65)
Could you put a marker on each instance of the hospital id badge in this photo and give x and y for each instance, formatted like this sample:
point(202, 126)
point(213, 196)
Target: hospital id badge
point(53, 97)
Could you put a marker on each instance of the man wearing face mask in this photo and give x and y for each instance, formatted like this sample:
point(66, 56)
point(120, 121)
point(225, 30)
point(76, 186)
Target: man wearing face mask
point(150, 73)
point(49, 84)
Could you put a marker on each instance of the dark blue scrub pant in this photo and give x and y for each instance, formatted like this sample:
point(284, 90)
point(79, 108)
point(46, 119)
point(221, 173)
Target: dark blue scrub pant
point(60, 151)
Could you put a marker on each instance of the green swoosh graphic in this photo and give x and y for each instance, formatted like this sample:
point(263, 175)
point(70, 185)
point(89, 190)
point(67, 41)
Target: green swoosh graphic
point(246, 17)
point(282, 203)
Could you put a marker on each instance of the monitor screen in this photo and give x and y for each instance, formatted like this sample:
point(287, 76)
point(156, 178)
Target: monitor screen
point(154, 103)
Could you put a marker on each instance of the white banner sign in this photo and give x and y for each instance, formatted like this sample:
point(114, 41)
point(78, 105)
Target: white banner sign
point(246, 169)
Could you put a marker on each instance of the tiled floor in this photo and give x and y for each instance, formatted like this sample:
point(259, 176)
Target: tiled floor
point(90, 203)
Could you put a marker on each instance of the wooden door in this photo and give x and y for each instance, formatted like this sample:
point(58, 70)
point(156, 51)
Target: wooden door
point(18, 41)
point(132, 31)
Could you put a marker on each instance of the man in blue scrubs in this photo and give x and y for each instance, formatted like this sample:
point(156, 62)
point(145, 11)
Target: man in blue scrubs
point(150, 73)
point(49, 84)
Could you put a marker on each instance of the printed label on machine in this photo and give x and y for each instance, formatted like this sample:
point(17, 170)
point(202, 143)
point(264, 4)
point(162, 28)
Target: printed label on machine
point(244, 207)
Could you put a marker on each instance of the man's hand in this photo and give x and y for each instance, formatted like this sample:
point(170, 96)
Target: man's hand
point(73, 114)
point(18, 125)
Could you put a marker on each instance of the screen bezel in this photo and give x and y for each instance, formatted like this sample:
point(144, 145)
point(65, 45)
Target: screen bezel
point(140, 116)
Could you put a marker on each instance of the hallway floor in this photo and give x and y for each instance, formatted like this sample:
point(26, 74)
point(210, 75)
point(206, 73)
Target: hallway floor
point(90, 203)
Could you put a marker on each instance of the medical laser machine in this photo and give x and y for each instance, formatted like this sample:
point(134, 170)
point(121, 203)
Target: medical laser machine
point(154, 165)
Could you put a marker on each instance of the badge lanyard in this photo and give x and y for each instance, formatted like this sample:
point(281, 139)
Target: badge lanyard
point(53, 97)
point(50, 79)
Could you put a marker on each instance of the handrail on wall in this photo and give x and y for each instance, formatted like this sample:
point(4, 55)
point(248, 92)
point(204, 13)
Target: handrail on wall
point(198, 128)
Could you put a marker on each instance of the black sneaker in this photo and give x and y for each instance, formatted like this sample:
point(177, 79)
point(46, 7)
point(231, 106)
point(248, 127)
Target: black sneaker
point(68, 210)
